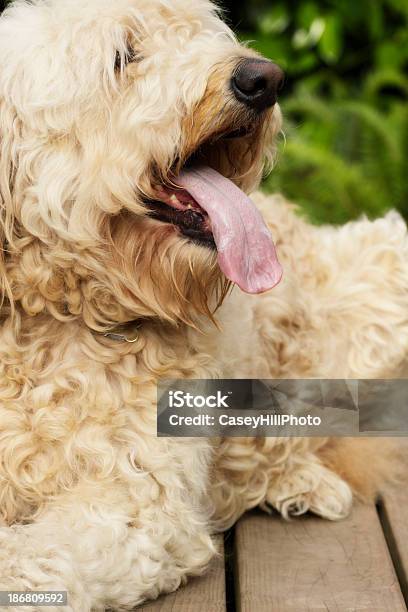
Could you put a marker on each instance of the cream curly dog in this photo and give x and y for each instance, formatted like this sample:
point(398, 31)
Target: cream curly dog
point(130, 132)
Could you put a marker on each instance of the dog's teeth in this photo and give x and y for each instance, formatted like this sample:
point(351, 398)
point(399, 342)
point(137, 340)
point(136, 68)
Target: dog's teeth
point(174, 199)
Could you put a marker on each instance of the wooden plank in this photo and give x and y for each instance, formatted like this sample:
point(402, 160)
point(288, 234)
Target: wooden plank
point(310, 564)
point(393, 511)
point(201, 594)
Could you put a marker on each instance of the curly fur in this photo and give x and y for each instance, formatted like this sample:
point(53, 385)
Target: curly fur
point(99, 102)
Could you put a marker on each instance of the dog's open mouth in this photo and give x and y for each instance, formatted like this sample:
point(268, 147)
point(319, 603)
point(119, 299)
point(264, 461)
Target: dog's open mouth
point(211, 210)
point(178, 207)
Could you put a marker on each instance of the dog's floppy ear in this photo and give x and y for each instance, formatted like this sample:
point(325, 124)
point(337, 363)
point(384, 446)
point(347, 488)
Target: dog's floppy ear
point(8, 128)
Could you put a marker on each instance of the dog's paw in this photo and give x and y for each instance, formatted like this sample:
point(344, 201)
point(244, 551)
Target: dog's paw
point(310, 487)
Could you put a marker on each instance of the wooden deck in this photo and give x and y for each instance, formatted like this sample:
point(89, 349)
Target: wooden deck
point(306, 565)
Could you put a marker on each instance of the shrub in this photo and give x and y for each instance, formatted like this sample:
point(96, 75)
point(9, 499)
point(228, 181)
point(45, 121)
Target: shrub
point(346, 117)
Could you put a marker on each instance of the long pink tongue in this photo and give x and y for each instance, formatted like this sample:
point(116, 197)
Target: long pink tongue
point(246, 253)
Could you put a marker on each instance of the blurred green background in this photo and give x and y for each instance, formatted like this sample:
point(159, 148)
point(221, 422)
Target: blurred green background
point(345, 150)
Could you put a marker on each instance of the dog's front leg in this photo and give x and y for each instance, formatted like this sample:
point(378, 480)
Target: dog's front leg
point(284, 473)
point(93, 544)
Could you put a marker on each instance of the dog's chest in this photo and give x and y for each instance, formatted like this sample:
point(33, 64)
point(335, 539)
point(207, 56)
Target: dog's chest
point(236, 346)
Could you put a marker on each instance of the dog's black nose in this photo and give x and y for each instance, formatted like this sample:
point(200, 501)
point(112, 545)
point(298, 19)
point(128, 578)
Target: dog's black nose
point(256, 83)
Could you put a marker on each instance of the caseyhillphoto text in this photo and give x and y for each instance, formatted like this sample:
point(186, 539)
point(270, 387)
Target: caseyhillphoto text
point(276, 420)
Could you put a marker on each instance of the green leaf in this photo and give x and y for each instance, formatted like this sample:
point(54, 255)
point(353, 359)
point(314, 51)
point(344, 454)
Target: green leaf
point(382, 79)
point(275, 20)
point(331, 43)
point(306, 14)
point(388, 54)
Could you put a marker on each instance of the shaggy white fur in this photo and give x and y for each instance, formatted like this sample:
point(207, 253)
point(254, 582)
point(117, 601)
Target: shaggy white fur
point(101, 101)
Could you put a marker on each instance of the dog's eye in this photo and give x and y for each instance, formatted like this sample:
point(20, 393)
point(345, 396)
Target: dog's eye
point(124, 60)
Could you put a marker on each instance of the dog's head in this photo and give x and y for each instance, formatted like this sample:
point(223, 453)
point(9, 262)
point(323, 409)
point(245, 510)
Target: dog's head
point(107, 109)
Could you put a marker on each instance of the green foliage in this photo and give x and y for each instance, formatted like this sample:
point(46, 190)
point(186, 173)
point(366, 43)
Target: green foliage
point(345, 150)
point(343, 158)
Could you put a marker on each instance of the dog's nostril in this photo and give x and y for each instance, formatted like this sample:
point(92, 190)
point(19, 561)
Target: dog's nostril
point(248, 83)
point(260, 85)
point(256, 83)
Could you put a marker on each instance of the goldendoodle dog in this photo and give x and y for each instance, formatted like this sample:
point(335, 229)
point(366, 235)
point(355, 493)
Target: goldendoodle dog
point(130, 133)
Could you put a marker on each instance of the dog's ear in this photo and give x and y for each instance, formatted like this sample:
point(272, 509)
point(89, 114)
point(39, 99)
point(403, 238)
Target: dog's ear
point(8, 129)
